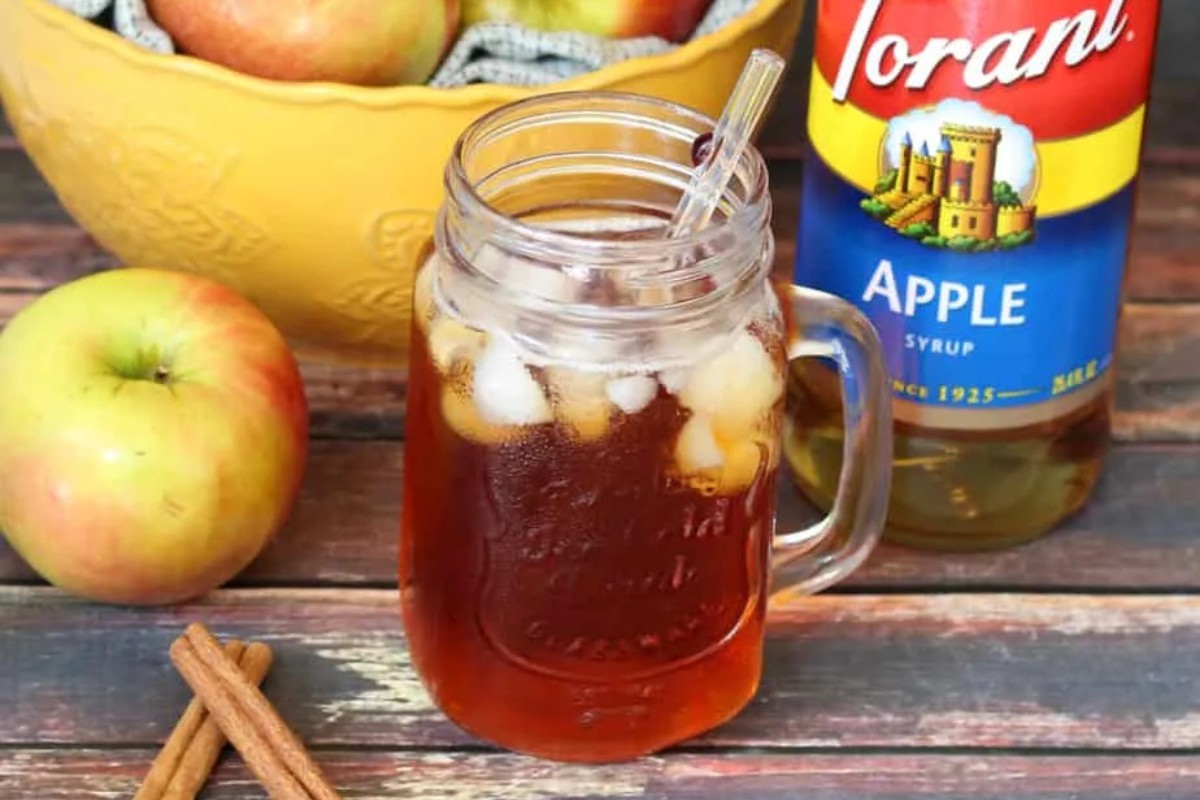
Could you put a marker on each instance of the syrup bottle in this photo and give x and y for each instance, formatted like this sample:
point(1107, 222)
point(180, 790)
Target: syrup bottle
point(971, 188)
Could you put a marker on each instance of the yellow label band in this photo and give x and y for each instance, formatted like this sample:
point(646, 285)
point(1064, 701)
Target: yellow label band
point(1072, 173)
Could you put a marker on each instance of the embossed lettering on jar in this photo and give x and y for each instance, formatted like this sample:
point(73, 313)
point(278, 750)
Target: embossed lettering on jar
point(587, 509)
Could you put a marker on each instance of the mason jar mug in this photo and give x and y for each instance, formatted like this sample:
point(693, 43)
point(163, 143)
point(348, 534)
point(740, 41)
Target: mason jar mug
point(588, 543)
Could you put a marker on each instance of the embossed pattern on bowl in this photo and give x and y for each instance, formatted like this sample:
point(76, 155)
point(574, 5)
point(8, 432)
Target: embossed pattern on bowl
point(315, 201)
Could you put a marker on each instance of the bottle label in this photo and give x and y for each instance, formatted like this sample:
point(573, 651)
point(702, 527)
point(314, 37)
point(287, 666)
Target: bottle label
point(972, 191)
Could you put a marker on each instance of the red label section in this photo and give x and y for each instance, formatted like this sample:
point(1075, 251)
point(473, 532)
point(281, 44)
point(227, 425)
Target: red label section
point(1061, 67)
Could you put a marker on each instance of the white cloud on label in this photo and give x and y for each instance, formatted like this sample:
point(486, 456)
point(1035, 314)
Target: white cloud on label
point(1016, 158)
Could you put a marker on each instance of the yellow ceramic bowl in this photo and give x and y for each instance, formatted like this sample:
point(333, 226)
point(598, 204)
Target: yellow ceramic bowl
point(313, 200)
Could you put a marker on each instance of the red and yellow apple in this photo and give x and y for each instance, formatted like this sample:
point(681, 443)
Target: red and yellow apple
point(361, 42)
point(153, 434)
point(673, 20)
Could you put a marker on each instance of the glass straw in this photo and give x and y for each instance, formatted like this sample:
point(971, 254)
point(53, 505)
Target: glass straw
point(734, 131)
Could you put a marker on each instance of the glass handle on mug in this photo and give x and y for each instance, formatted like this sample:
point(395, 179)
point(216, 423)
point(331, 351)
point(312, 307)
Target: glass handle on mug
point(811, 559)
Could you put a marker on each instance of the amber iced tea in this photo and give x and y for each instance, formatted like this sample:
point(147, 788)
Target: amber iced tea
point(594, 413)
point(586, 566)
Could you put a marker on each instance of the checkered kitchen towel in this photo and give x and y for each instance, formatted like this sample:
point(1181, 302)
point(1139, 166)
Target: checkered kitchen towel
point(490, 52)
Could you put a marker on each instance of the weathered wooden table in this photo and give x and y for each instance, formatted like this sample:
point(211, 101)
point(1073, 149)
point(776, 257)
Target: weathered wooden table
point(1066, 668)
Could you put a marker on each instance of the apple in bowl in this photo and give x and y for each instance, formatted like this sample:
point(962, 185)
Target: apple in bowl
point(357, 42)
point(153, 435)
point(673, 20)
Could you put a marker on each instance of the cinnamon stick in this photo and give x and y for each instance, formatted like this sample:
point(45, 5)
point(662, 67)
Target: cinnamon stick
point(175, 748)
point(271, 750)
point(201, 755)
point(188, 756)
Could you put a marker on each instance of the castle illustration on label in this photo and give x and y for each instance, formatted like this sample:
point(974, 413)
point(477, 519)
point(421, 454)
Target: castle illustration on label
point(949, 184)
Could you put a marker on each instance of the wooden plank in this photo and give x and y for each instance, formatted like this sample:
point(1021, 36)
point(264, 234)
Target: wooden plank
point(346, 525)
point(1158, 393)
point(24, 196)
point(353, 402)
point(343, 531)
point(902, 671)
point(1177, 39)
point(344, 401)
point(30, 774)
point(35, 256)
point(1139, 532)
point(41, 247)
point(1158, 388)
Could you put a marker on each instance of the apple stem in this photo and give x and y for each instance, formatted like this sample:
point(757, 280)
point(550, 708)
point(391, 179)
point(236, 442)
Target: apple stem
point(161, 374)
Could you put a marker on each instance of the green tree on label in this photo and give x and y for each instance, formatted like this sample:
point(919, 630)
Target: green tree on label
point(1006, 195)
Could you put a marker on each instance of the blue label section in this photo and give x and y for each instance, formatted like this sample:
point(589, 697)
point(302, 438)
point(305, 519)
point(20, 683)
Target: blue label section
point(980, 329)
